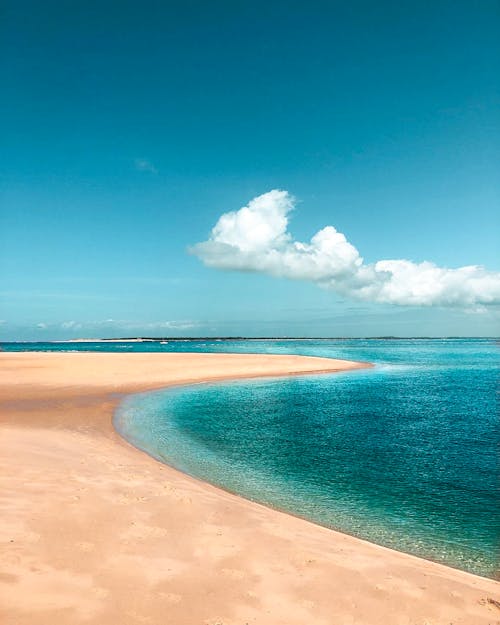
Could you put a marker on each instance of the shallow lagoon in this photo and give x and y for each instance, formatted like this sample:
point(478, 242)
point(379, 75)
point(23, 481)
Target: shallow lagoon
point(405, 455)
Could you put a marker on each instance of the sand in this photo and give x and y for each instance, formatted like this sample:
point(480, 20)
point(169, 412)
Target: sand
point(94, 531)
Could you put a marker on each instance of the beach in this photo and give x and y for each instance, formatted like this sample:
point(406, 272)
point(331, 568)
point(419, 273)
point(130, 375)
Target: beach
point(95, 531)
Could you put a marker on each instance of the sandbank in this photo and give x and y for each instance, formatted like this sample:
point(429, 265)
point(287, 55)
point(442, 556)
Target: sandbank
point(95, 532)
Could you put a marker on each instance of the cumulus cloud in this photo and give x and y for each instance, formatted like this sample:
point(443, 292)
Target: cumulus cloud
point(256, 238)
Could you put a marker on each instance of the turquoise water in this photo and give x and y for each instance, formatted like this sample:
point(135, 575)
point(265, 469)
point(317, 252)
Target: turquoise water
point(405, 455)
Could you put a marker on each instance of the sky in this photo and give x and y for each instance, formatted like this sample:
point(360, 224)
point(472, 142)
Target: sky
point(258, 169)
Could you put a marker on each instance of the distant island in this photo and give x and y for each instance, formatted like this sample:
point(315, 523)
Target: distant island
point(152, 339)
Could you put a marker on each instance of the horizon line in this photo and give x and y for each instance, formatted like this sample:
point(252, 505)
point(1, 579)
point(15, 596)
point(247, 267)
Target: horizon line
point(153, 339)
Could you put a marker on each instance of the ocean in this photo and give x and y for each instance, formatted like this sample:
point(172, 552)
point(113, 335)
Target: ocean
point(403, 455)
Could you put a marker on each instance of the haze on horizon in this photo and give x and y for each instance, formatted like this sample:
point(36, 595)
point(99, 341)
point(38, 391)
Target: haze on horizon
point(273, 169)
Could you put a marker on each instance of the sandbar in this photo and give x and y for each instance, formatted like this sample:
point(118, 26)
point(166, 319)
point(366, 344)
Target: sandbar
point(96, 532)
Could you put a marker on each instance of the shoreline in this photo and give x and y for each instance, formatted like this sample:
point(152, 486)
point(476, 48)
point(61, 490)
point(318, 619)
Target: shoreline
point(270, 506)
point(54, 418)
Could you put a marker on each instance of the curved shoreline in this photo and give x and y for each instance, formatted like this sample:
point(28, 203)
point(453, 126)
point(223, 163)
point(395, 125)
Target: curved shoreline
point(270, 506)
point(115, 536)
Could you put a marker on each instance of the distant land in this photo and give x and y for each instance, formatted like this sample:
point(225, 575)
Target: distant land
point(155, 339)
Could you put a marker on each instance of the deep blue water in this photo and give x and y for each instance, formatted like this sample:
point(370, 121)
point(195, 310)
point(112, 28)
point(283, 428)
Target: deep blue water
point(404, 455)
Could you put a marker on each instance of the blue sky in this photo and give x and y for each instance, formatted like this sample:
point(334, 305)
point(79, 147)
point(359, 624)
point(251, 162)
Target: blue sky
point(129, 129)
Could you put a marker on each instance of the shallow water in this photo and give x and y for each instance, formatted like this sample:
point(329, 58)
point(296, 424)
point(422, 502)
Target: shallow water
point(404, 455)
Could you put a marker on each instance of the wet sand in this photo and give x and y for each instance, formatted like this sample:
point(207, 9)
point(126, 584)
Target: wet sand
point(96, 532)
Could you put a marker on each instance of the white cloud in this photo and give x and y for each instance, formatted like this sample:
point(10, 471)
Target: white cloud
point(144, 326)
point(142, 164)
point(117, 325)
point(165, 325)
point(255, 238)
point(71, 325)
